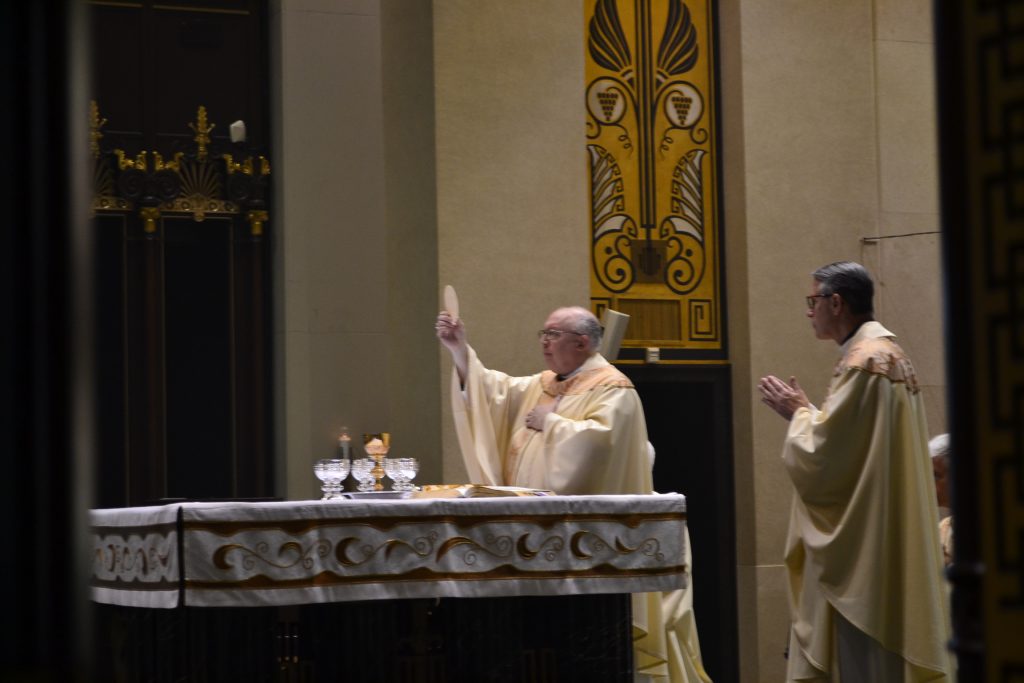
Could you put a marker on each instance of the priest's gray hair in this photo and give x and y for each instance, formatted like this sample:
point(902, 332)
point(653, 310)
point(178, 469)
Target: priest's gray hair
point(586, 323)
point(849, 280)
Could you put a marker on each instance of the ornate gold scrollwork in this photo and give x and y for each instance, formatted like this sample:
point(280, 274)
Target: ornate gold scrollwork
point(247, 167)
point(256, 219)
point(173, 165)
point(149, 215)
point(123, 162)
point(191, 181)
point(233, 167)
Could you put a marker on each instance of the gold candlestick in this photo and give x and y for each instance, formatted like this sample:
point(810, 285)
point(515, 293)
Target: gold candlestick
point(377, 446)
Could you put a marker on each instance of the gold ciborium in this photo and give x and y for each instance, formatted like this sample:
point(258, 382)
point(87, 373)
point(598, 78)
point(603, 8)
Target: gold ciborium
point(376, 446)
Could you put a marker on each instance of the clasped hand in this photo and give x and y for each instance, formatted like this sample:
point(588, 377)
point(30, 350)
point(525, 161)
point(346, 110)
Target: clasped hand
point(781, 397)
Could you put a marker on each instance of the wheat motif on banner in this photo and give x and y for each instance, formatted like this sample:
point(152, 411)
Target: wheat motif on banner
point(651, 144)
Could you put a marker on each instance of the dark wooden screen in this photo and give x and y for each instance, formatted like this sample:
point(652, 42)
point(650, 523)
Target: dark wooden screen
point(182, 251)
point(981, 141)
point(550, 639)
point(688, 411)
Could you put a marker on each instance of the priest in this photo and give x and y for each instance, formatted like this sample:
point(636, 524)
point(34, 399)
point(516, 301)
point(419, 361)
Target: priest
point(862, 553)
point(576, 428)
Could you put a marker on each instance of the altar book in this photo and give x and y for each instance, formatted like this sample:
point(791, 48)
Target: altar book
point(475, 491)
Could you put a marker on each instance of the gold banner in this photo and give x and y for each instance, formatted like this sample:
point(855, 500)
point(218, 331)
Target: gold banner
point(652, 150)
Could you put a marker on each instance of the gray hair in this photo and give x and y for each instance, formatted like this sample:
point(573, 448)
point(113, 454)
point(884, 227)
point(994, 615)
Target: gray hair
point(849, 280)
point(585, 322)
point(939, 447)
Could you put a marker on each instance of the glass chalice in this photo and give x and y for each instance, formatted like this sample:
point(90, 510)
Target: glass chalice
point(393, 468)
point(409, 468)
point(331, 472)
point(362, 470)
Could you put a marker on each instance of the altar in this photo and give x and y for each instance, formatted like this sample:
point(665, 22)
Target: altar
point(506, 588)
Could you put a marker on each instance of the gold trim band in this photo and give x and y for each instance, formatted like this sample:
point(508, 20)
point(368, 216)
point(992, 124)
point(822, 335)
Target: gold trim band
point(300, 526)
point(423, 575)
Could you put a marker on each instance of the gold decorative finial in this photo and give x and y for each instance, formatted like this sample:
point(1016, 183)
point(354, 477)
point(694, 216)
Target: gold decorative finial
point(95, 123)
point(202, 131)
point(150, 215)
point(256, 220)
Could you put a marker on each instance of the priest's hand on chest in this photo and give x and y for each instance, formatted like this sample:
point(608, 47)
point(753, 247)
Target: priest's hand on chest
point(535, 418)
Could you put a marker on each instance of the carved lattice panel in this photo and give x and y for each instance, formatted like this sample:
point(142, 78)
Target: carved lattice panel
point(981, 85)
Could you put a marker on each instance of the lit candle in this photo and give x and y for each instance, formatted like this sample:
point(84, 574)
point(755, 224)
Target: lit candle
point(344, 444)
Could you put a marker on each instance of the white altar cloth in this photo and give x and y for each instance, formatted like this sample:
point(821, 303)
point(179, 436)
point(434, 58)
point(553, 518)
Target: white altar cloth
point(285, 553)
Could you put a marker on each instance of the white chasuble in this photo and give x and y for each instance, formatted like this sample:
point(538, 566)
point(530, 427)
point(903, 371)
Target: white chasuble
point(863, 534)
point(593, 442)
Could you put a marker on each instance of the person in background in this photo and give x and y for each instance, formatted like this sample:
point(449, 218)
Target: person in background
point(576, 428)
point(862, 551)
point(939, 449)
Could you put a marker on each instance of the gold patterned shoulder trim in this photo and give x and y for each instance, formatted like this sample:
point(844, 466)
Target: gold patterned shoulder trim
point(880, 356)
point(606, 376)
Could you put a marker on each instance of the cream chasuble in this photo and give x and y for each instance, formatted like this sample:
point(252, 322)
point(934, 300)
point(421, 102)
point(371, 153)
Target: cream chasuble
point(863, 532)
point(594, 442)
